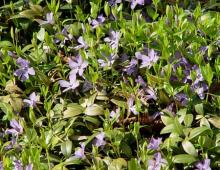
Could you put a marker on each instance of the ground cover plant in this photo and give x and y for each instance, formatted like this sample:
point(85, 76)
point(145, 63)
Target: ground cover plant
point(118, 84)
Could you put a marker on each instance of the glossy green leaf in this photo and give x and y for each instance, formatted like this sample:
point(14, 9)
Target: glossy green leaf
point(184, 158)
point(94, 110)
point(195, 132)
point(73, 109)
point(66, 148)
point(189, 148)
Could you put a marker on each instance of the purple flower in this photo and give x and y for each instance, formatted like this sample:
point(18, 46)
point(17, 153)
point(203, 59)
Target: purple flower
point(24, 69)
point(17, 128)
point(204, 165)
point(66, 34)
point(17, 165)
point(154, 143)
point(201, 90)
point(29, 167)
point(99, 139)
point(33, 99)
point(113, 39)
point(80, 153)
point(182, 98)
point(114, 115)
point(49, 19)
point(131, 106)
point(199, 76)
point(1, 165)
point(182, 62)
point(131, 68)
point(71, 85)
point(136, 2)
point(82, 43)
point(147, 61)
point(114, 2)
point(150, 94)
point(12, 143)
point(108, 62)
point(78, 65)
point(141, 81)
point(157, 162)
point(96, 22)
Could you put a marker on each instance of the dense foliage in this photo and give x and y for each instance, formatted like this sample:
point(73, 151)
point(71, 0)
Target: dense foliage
point(118, 84)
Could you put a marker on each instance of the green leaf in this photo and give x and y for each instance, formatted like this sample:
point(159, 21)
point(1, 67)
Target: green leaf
point(41, 34)
point(59, 167)
point(73, 109)
point(167, 129)
point(94, 110)
point(207, 73)
point(133, 164)
point(7, 109)
point(188, 119)
point(119, 103)
point(184, 158)
point(125, 149)
point(107, 9)
point(118, 164)
point(4, 44)
point(154, 80)
point(166, 120)
point(199, 108)
point(189, 148)
point(199, 131)
point(177, 126)
point(11, 87)
point(66, 148)
point(215, 121)
point(16, 102)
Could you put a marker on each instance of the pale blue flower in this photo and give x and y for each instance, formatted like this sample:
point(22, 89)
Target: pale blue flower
point(32, 101)
point(99, 139)
point(80, 152)
point(113, 39)
point(203, 165)
point(71, 85)
point(82, 43)
point(154, 143)
point(24, 70)
point(16, 128)
point(136, 2)
point(78, 65)
point(157, 162)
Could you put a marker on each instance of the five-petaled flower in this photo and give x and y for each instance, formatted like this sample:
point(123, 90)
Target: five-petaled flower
point(157, 162)
point(114, 2)
point(149, 60)
point(131, 105)
point(32, 101)
point(113, 39)
point(82, 43)
point(16, 128)
point(204, 165)
point(100, 139)
point(107, 62)
point(96, 22)
point(49, 19)
point(24, 70)
point(77, 65)
point(136, 2)
point(114, 115)
point(80, 152)
point(154, 143)
point(71, 85)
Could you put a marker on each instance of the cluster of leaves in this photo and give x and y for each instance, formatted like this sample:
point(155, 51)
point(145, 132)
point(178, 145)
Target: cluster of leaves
point(118, 84)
